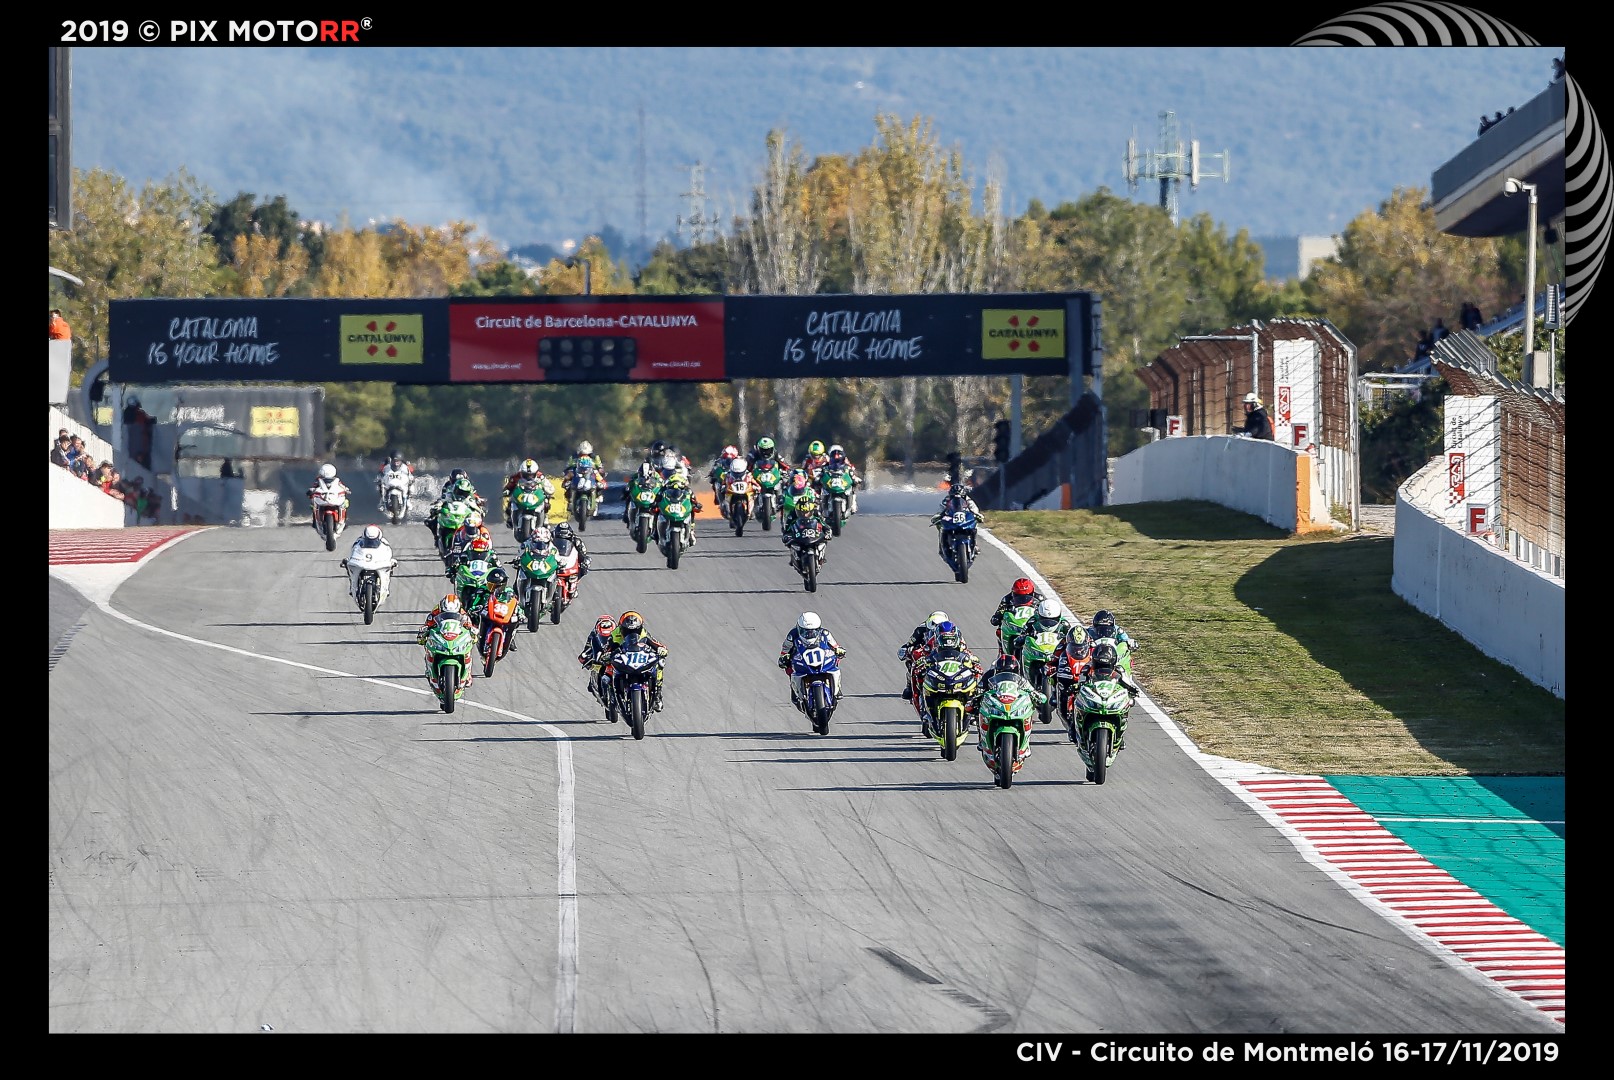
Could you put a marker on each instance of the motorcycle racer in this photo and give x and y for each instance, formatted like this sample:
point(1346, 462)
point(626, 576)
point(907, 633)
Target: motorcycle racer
point(370, 540)
point(395, 468)
point(646, 479)
point(500, 590)
point(948, 644)
point(528, 471)
point(763, 454)
point(958, 498)
point(809, 631)
point(720, 469)
point(839, 460)
point(920, 637)
point(582, 458)
point(1104, 626)
point(327, 486)
point(596, 650)
point(815, 458)
point(631, 623)
point(1024, 591)
point(565, 539)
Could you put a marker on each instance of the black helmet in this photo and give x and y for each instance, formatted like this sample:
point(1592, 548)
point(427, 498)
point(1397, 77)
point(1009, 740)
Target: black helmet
point(1104, 625)
point(1105, 658)
point(958, 491)
point(658, 447)
point(457, 474)
point(1007, 662)
point(560, 529)
point(498, 578)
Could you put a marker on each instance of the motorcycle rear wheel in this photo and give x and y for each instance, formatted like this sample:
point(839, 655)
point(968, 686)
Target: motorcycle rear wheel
point(1007, 746)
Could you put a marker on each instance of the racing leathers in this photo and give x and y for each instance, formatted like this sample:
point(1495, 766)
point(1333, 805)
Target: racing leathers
point(821, 638)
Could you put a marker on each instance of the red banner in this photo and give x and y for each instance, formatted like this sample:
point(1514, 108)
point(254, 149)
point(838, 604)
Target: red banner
point(1456, 474)
point(500, 342)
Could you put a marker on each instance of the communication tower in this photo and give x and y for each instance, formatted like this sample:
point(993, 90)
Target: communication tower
point(1171, 165)
point(698, 221)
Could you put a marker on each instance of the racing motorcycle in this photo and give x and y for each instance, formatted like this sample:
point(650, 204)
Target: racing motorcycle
point(1013, 626)
point(370, 561)
point(450, 519)
point(675, 529)
point(837, 485)
point(498, 623)
point(809, 541)
point(739, 495)
point(1101, 707)
point(1005, 740)
point(957, 532)
point(471, 582)
point(568, 572)
point(395, 495)
point(529, 508)
point(628, 682)
point(818, 669)
point(943, 702)
point(1068, 672)
point(328, 514)
point(641, 515)
point(540, 571)
point(448, 652)
point(1039, 661)
point(768, 481)
point(585, 493)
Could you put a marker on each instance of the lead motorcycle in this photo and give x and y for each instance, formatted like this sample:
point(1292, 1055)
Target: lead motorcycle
point(628, 682)
point(585, 492)
point(1005, 721)
point(769, 479)
point(370, 561)
point(395, 495)
point(328, 514)
point(816, 671)
point(449, 644)
point(955, 528)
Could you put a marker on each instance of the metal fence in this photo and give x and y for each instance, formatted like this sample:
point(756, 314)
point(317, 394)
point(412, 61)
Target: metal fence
point(1530, 514)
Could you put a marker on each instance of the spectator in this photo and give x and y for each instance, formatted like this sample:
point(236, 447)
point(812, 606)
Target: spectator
point(227, 473)
point(1471, 318)
point(137, 425)
point(105, 476)
point(1438, 332)
point(1485, 124)
point(1257, 424)
point(60, 449)
point(79, 458)
point(1425, 343)
point(59, 330)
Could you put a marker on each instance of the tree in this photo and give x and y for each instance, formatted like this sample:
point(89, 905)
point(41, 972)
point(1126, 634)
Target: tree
point(125, 245)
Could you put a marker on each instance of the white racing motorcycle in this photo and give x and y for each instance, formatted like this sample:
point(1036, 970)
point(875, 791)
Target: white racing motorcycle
point(395, 496)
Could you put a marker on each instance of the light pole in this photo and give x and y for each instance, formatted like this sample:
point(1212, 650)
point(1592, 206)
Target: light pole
point(1512, 187)
point(587, 285)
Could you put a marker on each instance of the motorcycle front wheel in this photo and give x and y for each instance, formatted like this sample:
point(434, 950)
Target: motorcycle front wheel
point(809, 576)
point(448, 683)
point(1099, 750)
point(951, 723)
point(367, 600)
point(636, 711)
point(1007, 747)
point(961, 560)
point(329, 528)
point(818, 707)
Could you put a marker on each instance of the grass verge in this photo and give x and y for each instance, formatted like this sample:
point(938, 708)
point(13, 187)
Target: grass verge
point(1290, 652)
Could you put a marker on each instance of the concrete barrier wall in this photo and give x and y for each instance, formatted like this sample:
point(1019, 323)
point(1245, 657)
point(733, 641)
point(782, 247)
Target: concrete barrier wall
point(1274, 483)
point(1505, 608)
point(75, 504)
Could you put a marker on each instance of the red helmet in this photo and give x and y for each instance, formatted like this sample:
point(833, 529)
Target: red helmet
point(604, 625)
point(1023, 587)
point(481, 545)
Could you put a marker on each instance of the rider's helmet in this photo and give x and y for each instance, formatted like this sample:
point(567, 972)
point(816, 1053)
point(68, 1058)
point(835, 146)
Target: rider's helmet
point(456, 476)
point(738, 467)
point(1104, 625)
point(1105, 660)
point(371, 537)
point(730, 452)
point(798, 481)
point(837, 456)
point(764, 446)
point(1023, 587)
point(604, 625)
point(463, 488)
point(449, 605)
point(327, 472)
point(585, 447)
point(529, 469)
point(1007, 662)
point(808, 620)
point(1047, 616)
point(631, 622)
point(806, 505)
point(815, 448)
point(958, 491)
point(473, 520)
point(541, 535)
point(657, 448)
point(397, 459)
point(935, 619)
point(1251, 399)
point(948, 637)
point(561, 531)
point(1076, 644)
point(481, 545)
point(676, 480)
point(498, 577)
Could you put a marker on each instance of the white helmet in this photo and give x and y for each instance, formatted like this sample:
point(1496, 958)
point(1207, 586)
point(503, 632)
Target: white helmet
point(1048, 609)
point(372, 535)
point(327, 472)
point(1251, 399)
point(809, 620)
point(585, 447)
point(936, 618)
point(738, 467)
point(542, 535)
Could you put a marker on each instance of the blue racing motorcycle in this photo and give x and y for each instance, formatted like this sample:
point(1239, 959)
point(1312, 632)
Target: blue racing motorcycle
point(955, 530)
point(816, 672)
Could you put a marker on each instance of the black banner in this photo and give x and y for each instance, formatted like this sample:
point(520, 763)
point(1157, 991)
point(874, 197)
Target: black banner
point(846, 335)
point(279, 340)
